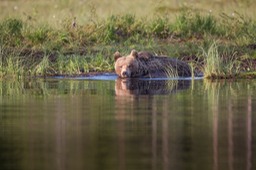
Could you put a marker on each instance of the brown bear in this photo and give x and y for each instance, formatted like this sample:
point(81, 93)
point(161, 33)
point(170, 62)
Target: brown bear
point(145, 64)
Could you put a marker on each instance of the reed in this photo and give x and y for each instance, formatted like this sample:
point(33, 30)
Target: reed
point(220, 64)
point(11, 67)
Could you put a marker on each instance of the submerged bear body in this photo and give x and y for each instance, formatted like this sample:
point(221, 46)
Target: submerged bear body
point(145, 64)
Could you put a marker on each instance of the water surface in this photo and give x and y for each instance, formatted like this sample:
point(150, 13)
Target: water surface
point(127, 124)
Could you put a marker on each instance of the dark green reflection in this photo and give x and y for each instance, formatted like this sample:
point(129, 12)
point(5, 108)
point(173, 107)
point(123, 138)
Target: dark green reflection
point(87, 124)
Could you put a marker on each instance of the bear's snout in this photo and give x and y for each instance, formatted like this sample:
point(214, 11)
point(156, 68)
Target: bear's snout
point(124, 74)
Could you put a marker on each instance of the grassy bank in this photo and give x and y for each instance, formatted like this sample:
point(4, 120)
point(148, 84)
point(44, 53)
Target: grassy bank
point(220, 46)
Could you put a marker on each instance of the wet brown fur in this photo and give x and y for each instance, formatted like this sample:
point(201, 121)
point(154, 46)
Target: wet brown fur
point(145, 64)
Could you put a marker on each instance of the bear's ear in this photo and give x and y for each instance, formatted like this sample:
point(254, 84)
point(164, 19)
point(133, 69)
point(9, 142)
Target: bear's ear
point(134, 53)
point(117, 55)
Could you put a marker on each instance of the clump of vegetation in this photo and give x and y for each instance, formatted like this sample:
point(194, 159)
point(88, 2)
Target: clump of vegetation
point(190, 24)
point(220, 64)
point(11, 32)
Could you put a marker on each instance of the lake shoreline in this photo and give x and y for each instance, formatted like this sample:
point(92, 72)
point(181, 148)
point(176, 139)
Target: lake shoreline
point(220, 48)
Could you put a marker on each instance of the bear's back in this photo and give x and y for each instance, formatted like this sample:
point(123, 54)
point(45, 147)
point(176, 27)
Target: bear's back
point(158, 66)
point(145, 55)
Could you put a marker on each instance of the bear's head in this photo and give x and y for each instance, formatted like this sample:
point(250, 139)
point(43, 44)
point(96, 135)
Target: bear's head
point(126, 66)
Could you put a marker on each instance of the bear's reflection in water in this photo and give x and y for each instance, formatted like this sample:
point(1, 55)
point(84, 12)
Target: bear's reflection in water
point(135, 87)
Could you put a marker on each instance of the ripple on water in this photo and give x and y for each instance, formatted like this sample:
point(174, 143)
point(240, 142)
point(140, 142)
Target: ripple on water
point(113, 76)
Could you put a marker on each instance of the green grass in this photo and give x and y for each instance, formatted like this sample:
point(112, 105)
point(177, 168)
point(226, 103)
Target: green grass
point(189, 23)
point(74, 64)
point(30, 47)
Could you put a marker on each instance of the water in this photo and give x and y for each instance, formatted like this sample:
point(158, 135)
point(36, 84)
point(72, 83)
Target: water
point(101, 123)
